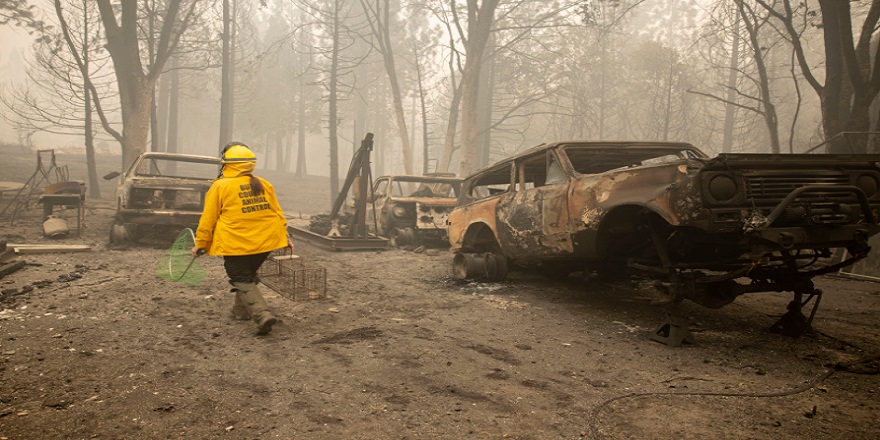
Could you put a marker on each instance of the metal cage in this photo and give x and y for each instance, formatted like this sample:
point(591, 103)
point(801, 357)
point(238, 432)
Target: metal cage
point(293, 278)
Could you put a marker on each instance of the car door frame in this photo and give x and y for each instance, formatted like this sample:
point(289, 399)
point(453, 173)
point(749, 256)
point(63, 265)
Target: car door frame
point(534, 222)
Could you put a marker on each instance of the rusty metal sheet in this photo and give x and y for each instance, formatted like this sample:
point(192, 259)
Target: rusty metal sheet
point(338, 243)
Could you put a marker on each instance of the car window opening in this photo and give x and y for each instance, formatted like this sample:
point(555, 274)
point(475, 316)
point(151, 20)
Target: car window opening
point(596, 161)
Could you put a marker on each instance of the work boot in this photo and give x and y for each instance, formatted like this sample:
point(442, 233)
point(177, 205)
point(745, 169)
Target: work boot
point(239, 310)
point(257, 307)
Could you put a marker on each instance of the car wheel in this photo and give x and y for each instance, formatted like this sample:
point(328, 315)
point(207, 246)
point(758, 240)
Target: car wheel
point(482, 267)
point(498, 266)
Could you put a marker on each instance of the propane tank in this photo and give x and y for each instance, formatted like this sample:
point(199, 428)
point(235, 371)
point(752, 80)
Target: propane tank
point(55, 227)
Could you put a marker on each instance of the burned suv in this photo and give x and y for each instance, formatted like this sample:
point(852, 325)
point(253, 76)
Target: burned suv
point(412, 210)
point(160, 195)
point(699, 224)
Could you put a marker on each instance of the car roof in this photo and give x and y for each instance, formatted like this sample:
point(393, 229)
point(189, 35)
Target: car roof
point(415, 178)
point(597, 145)
point(610, 144)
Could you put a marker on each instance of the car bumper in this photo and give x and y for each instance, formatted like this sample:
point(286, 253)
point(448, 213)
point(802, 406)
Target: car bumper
point(816, 237)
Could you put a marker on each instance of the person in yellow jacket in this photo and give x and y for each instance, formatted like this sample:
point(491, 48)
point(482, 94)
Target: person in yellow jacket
point(242, 222)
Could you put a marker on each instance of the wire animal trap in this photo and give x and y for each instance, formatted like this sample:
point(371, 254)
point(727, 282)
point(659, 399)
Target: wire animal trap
point(293, 278)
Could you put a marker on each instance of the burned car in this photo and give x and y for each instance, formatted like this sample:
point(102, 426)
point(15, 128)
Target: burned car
point(412, 210)
point(160, 195)
point(709, 229)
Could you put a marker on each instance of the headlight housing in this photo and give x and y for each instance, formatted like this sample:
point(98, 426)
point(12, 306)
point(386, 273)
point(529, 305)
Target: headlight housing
point(722, 187)
point(868, 183)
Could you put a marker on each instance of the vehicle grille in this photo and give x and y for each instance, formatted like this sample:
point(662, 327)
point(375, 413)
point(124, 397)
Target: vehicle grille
point(771, 189)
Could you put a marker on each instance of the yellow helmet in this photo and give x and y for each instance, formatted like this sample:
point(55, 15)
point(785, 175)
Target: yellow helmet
point(237, 152)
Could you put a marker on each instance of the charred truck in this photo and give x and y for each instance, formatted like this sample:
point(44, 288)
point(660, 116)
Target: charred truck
point(411, 210)
point(160, 195)
point(708, 229)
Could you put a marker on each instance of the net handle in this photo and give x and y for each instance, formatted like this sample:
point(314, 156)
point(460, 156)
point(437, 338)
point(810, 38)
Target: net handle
point(170, 271)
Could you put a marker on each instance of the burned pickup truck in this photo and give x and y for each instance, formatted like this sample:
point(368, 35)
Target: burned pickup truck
point(709, 229)
point(160, 195)
point(411, 210)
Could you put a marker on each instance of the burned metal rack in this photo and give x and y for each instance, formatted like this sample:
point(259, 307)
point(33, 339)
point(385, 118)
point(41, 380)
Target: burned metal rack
point(294, 278)
point(21, 202)
point(357, 236)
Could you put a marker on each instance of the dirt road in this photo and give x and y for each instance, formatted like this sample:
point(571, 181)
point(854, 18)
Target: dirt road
point(96, 345)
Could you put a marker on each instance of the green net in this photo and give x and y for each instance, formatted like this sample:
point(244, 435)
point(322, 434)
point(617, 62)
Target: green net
point(178, 263)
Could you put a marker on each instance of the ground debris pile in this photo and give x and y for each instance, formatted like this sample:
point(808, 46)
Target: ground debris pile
point(10, 296)
point(321, 224)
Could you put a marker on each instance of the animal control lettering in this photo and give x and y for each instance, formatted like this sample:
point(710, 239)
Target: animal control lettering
point(249, 202)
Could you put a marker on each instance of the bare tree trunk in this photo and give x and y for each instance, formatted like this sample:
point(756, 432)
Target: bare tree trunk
point(279, 153)
point(149, 6)
point(226, 79)
point(301, 170)
point(173, 109)
point(479, 27)
point(233, 45)
point(730, 108)
point(135, 86)
point(412, 123)
point(155, 143)
point(423, 110)
point(484, 112)
point(379, 151)
point(858, 122)
point(753, 27)
point(332, 116)
point(832, 101)
point(848, 75)
point(380, 22)
point(288, 152)
point(162, 111)
point(451, 127)
point(136, 122)
point(449, 146)
point(669, 79)
point(94, 189)
point(470, 81)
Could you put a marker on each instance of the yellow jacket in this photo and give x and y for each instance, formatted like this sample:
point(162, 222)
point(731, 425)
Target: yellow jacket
point(236, 222)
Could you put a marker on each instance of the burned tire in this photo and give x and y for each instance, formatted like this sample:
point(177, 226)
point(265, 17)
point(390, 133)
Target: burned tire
point(461, 266)
point(499, 266)
point(479, 267)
